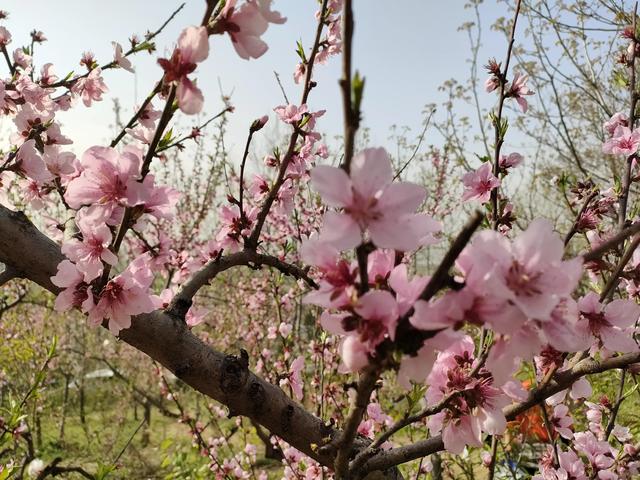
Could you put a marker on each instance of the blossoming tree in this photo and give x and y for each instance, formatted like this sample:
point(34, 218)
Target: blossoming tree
point(509, 321)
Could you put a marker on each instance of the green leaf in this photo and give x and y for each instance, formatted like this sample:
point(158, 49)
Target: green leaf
point(300, 51)
point(166, 140)
point(357, 87)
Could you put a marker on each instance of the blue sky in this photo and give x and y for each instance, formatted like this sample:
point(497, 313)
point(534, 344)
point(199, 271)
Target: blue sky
point(404, 52)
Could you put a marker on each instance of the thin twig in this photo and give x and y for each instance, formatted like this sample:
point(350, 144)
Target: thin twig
point(351, 118)
point(499, 138)
point(616, 407)
point(633, 99)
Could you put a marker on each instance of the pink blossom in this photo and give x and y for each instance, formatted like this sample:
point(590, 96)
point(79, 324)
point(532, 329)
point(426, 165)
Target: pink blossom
point(259, 187)
point(509, 161)
point(354, 354)
point(89, 253)
point(479, 184)
point(300, 72)
point(491, 83)
point(149, 116)
point(619, 119)
point(608, 325)
point(519, 90)
point(379, 312)
point(5, 36)
point(120, 58)
point(561, 421)
point(370, 201)
point(528, 272)
point(294, 378)
point(91, 87)
point(75, 292)
point(455, 308)
point(417, 368)
point(47, 76)
point(478, 407)
point(107, 178)
point(291, 113)
point(195, 316)
point(192, 48)
point(31, 164)
point(21, 58)
point(623, 142)
point(158, 201)
point(407, 291)
point(246, 24)
point(599, 453)
point(142, 134)
point(27, 120)
point(338, 277)
point(125, 296)
point(234, 227)
point(58, 163)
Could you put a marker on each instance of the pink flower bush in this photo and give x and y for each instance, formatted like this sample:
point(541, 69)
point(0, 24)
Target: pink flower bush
point(371, 202)
point(192, 48)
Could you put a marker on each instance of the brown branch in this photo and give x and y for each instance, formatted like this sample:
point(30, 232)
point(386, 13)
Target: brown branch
point(440, 276)
point(182, 300)
point(351, 118)
point(366, 385)
point(633, 99)
point(499, 138)
point(574, 227)
point(612, 242)
point(136, 115)
point(616, 406)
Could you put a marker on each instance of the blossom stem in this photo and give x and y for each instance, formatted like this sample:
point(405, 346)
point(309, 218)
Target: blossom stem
point(242, 165)
point(439, 277)
point(136, 115)
point(633, 99)
point(616, 407)
point(366, 385)
point(351, 118)
point(611, 285)
point(494, 454)
point(499, 134)
point(12, 67)
point(574, 227)
point(549, 429)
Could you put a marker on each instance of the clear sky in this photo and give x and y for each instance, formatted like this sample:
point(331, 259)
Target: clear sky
point(405, 48)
